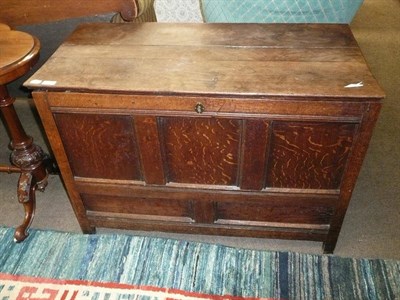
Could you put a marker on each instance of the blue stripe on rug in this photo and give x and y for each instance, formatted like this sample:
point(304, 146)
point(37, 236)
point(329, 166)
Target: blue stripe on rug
point(197, 267)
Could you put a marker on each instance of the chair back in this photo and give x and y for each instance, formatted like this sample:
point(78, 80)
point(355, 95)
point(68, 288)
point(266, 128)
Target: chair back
point(27, 12)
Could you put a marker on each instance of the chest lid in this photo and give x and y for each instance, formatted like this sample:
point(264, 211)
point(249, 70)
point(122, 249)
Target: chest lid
point(241, 60)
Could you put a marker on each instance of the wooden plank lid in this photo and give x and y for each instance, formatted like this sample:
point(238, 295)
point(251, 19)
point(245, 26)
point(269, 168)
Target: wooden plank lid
point(247, 60)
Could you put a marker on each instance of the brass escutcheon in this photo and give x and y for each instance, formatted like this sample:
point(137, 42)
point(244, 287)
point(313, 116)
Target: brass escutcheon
point(199, 108)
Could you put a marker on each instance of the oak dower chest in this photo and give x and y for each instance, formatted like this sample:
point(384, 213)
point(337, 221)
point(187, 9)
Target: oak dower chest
point(253, 130)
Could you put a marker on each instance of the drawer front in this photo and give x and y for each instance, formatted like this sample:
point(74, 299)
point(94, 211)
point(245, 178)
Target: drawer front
point(269, 213)
point(205, 207)
point(140, 208)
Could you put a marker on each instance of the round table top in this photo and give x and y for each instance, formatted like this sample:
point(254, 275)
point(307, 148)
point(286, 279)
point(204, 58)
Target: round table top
point(18, 52)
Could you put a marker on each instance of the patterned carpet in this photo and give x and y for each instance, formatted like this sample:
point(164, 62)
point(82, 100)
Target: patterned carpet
point(196, 267)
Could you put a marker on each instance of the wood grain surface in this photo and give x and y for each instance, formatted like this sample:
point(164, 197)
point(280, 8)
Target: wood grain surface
point(216, 59)
point(19, 51)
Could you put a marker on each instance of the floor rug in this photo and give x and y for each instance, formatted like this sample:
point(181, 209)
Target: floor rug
point(172, 269)
point(22, 287)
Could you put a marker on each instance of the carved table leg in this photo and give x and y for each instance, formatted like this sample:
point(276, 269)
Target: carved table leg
point(26, 156)
point(26, 196)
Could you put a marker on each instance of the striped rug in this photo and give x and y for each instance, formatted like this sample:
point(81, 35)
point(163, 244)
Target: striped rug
point(191, 268)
